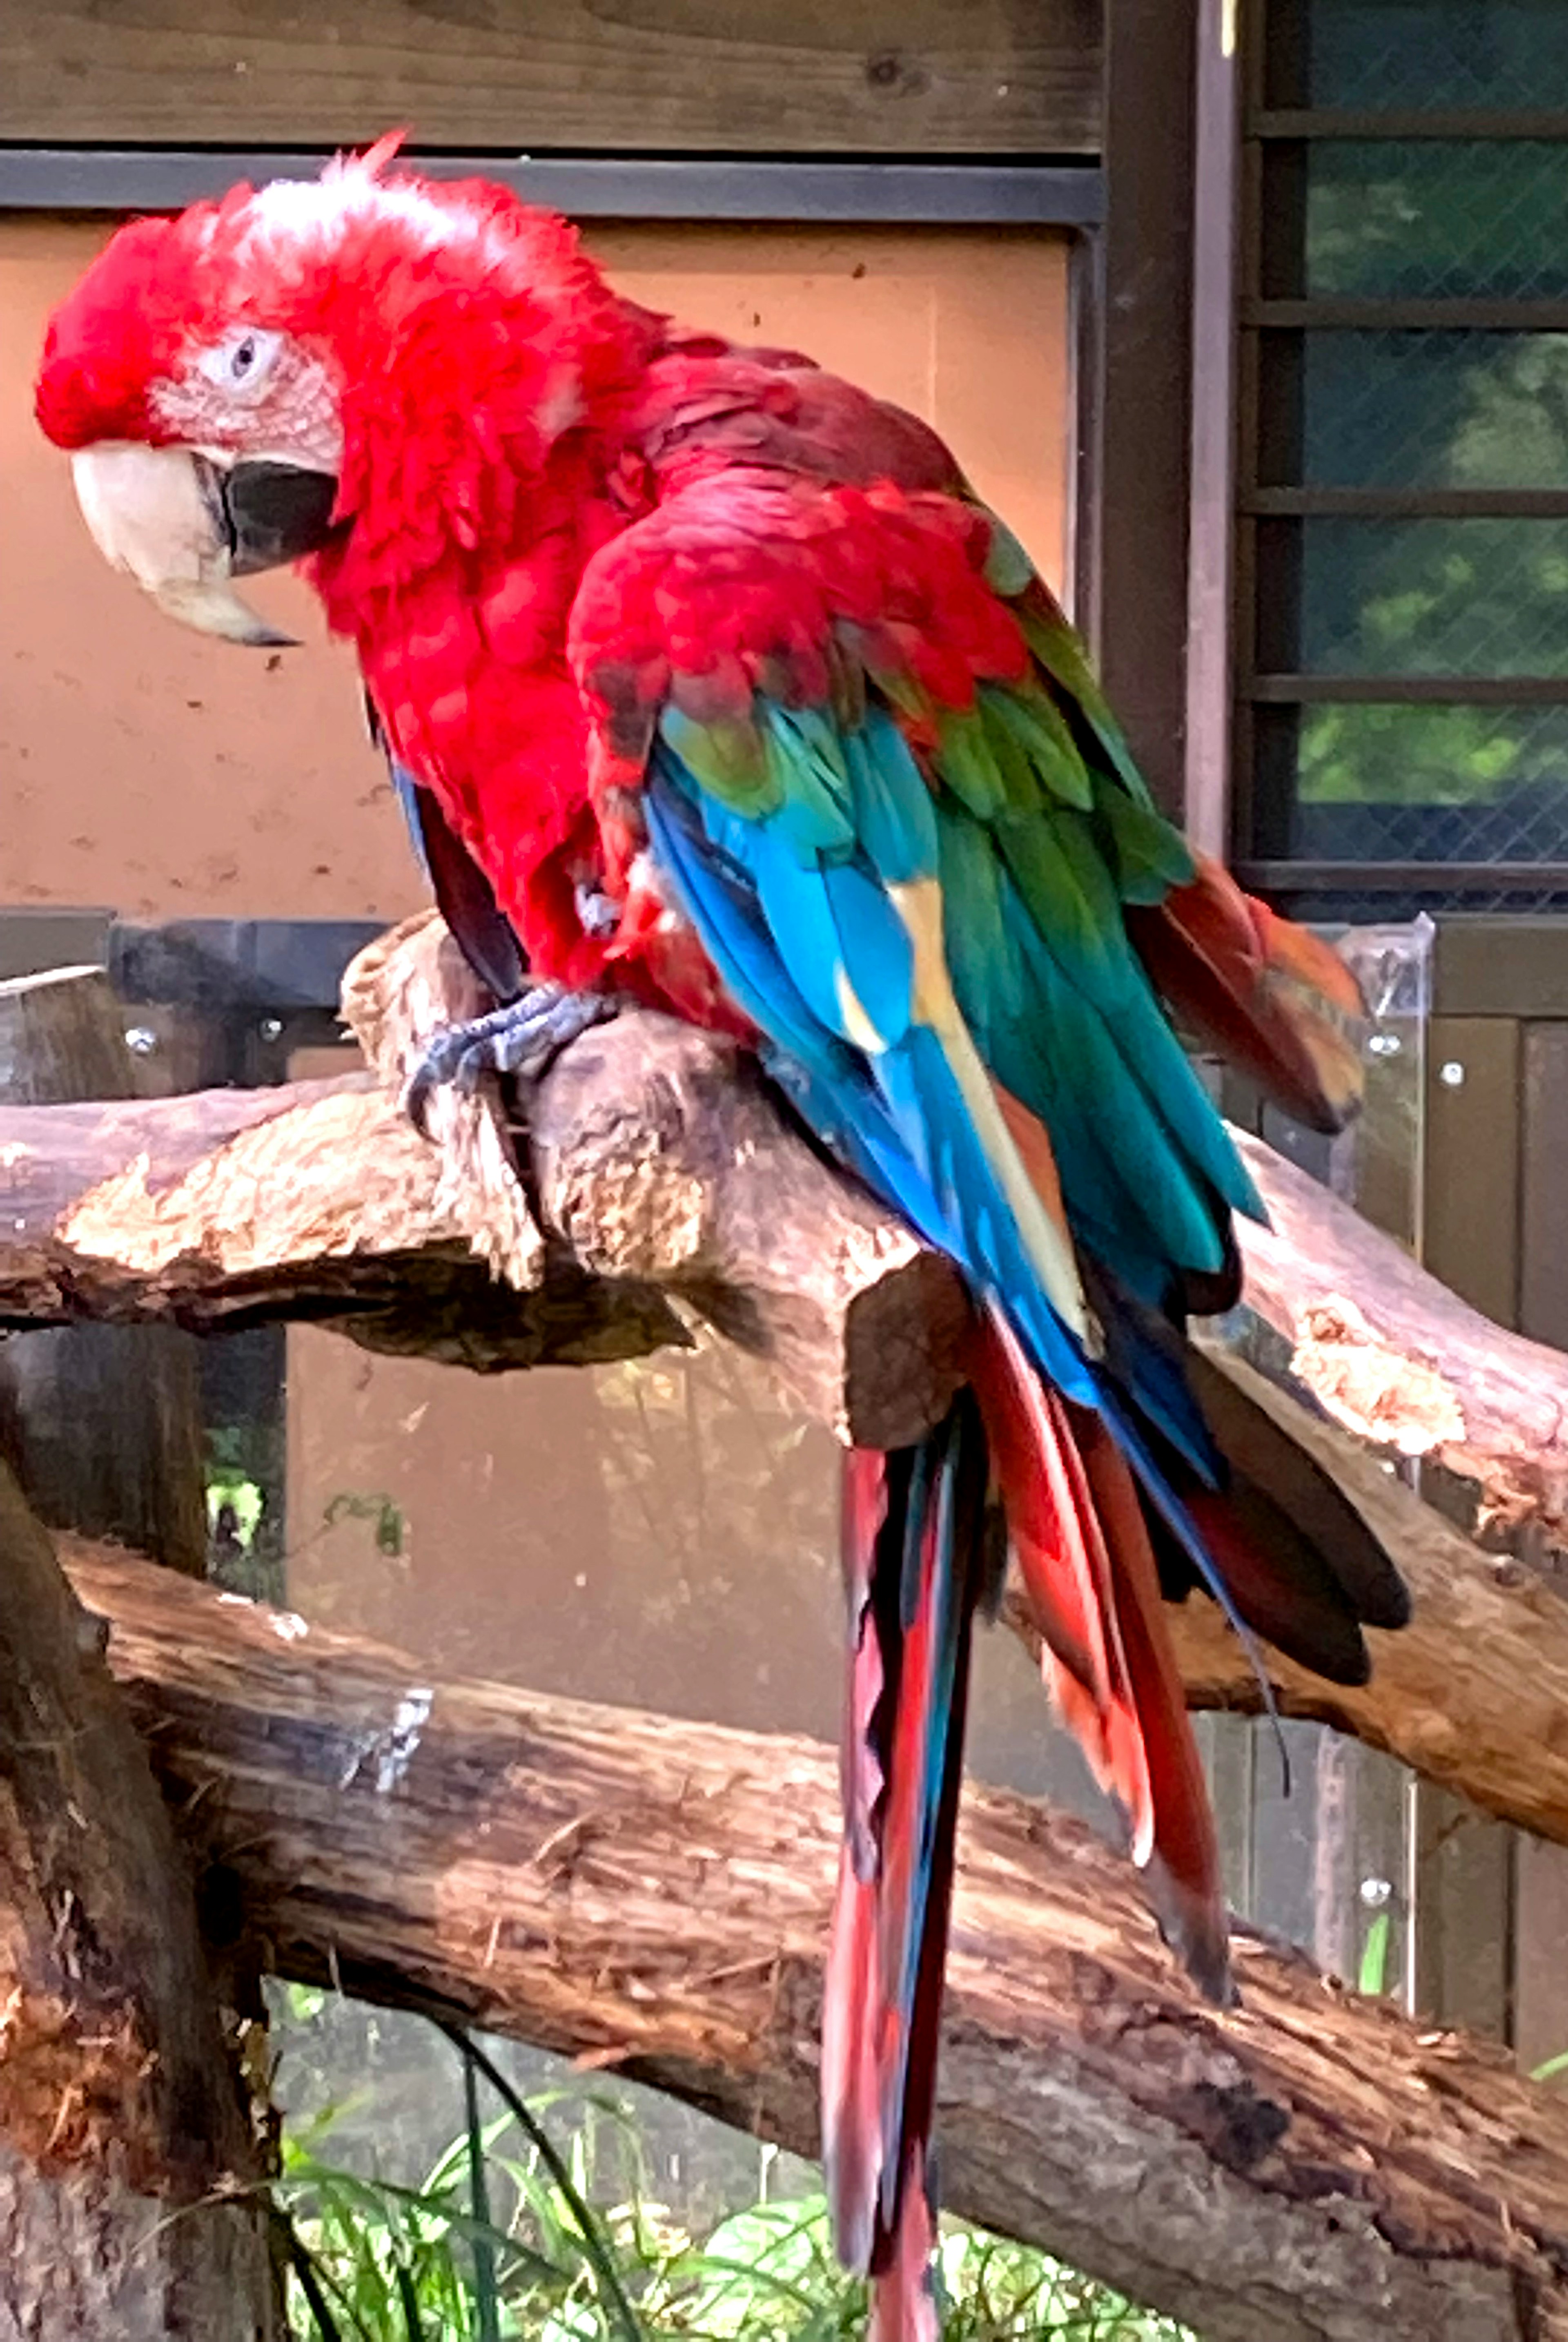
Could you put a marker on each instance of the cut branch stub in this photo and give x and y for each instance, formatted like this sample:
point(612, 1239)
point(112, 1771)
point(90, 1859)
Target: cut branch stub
point(660, 1157)
point(662, 1162)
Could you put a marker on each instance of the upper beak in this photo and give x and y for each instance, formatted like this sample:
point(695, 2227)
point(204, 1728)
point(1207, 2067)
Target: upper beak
point(185, 523)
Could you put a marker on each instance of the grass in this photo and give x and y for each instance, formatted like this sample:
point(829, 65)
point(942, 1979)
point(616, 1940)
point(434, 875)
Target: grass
point(504, 2241)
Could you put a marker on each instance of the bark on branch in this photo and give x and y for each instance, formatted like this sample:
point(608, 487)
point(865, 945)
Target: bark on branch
point(652, 1895)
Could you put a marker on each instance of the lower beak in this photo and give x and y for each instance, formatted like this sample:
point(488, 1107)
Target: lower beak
point(184, 525)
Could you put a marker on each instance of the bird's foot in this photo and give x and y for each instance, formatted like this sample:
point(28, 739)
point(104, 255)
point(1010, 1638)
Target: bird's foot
point(522, 1039)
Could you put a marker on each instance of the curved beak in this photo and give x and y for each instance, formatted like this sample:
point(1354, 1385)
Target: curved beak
point(185, 523)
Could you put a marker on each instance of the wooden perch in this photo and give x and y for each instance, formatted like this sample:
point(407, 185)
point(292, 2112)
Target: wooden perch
point(651, 1895)
point(1400, 1361)
point(664, 1176)
point(670, 1183)
point(666, 1181)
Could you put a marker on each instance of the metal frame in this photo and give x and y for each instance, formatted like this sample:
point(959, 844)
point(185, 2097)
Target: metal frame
point(1366, 126)
point(1273, 877)
point(895, 192)
point(1295, 314)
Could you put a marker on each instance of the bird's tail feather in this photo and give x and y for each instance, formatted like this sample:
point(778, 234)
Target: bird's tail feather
point(914, 1557)
point(1080, 1537)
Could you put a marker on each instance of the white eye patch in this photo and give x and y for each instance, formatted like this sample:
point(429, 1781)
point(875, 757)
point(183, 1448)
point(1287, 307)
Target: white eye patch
point(241, 362)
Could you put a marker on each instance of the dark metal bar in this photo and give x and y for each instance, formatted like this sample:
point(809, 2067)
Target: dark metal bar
point(1244, 654)
point(1140, 598)
point(1277, 877)
point(1355, 690)
point(982, 195)
point(1085, 283)
point(1408, 504)
point(1545, 316)
point(1544, 123)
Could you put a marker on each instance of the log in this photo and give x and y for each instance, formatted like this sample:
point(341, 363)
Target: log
point(669, 1184)
point(118, 2106)
point(652, 1895)
point(117, 2100)
point(677, 1186)
point(1402, 1363)
point(664, 1176)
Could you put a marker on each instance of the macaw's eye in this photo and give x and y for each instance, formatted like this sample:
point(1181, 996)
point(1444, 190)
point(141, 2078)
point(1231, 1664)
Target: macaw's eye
point(242, 362)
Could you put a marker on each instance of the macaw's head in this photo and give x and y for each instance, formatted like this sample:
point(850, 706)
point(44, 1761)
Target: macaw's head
point(386, 362)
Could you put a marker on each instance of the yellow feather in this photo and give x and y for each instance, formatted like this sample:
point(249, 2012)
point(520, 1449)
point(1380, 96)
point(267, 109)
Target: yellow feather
point(918, 902)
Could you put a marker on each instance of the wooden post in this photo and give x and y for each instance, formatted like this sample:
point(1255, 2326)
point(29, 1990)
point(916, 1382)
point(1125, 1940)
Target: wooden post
point(119, 2106)
point(101, 1424)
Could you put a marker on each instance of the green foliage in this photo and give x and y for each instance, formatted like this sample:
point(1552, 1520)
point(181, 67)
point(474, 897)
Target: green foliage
point(1372, 1976)
point(502, 2242)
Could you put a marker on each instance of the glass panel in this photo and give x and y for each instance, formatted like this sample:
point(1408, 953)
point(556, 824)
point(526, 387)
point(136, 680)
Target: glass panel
point(1414, 598)
point(1437, 218)
point(1438, 52)
point(1399, 784)
point(1430, 410)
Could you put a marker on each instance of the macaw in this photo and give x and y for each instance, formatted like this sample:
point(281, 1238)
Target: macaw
point(710, 683)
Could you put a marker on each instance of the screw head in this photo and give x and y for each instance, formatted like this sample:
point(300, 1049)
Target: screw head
point(1376, 1893)
point(1384, 1044)
point(1451, 1073)
point(270, 1028)
point(141, 1040)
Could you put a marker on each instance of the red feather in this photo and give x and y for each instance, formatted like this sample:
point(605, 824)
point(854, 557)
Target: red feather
point(1272, 998)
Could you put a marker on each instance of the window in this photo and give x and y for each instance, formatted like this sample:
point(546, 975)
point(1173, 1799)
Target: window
point(1402, 722)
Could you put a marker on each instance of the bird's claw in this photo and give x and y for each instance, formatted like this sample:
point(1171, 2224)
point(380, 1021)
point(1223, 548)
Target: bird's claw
point(597, 914)
point(521, 1039)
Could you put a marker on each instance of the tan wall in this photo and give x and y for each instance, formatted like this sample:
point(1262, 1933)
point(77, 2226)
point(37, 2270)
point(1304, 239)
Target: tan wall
point(144, 768)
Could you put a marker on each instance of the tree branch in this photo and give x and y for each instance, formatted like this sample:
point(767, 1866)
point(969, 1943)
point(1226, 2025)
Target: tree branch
point(652, 1895)
point(671, 1185)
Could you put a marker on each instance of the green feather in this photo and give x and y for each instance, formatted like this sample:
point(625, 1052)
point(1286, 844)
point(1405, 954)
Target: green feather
point(1041, 731)
point(1060, 653)
point(1149, 854)
point(729, 757)
point(965, 761)
point(1008, 568)
point(1023, 793)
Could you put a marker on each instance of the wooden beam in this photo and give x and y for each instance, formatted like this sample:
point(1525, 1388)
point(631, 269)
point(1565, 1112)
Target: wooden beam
point(652, 1895)
point(874, 78)
point(1141, 506)
point(121, 2120)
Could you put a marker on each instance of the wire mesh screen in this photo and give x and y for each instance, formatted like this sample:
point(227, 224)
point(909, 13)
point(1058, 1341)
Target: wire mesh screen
point(1432, 784)
point(1432, 597)
point(1457, 53)
point(1417, 410)
point(1409, 548)
point(1437, 219)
